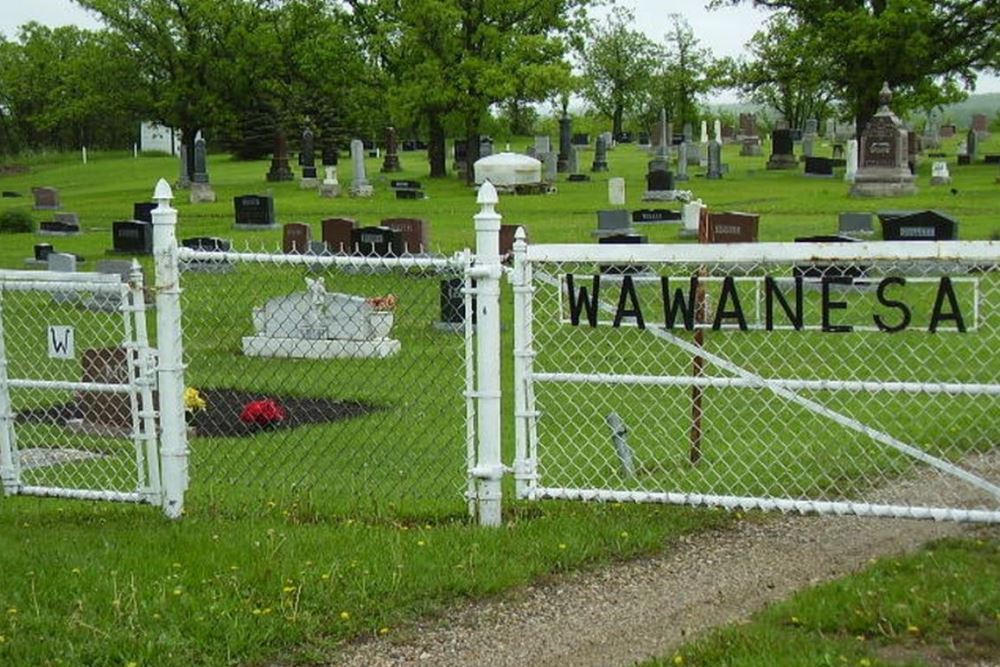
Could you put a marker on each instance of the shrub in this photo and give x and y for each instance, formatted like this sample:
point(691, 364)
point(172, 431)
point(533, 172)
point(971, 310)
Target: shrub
point(16, 222)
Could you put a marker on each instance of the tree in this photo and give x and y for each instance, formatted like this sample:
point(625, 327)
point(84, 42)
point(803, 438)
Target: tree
point(927, 50)
point(787, 72)
point(686, 72)
point(617, 65)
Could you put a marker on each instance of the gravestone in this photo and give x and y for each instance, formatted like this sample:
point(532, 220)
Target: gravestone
point(183, 174)
point(63, 262)
point(600, 156)
point(207, 244)
point(940, 174)
point(658, 181)
point(415, 233)
point(980, 125)
point(582, 139)
point(704, 132)
point(337, 234)
point(732, 227)
point(838, 151)
point(64, 224)
point(573, 163)
point(623, 239)
point(542, 144)
point(330, 187)
point(280, 171)
point(316, 324)
point(42, 252)
point(405, 189)
point(391, 162)
point(485, 146)
point(201, 191)
point(565, 132)
point(808, 145)
point(360, 187)
point(882, 164)
point(460, 156)
point(694, 156)
point(307, 160)
point(616, 191)
point(748, 126)
point(750, 147)
point(687, 133)
point(452, 304)
point(917, 226)
point(691, 215)
point(714, 160)
point(717, 130)
point(855, 224)
point(851, 160)
point(948, 131)
point(133, 237)
point(819, 270)
point(819, 167)
point(507, 238)
point(682, 163)
point(377, 242)
point(663, 136)
point(254, 212)
point(101, 411)
point(295, 238)
point(652, 216)
point(46, 199)
point(912, 151)
point(782, 150)
point(143, 210)
point(615, 221)
point(550, 167)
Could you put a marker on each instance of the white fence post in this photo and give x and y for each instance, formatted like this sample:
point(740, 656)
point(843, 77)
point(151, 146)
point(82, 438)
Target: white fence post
point(488, 469)
point(9, 474)
point(173, 436)
point(520, 280)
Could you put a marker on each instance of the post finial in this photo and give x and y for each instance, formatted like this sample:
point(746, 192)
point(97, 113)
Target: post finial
point(163, 194)
point(885, 95)
point(487, 195)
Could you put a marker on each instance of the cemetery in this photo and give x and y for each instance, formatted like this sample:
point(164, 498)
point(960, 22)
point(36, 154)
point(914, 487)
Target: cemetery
point(263, 405)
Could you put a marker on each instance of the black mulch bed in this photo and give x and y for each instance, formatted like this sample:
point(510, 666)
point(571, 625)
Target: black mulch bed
point(221, 416)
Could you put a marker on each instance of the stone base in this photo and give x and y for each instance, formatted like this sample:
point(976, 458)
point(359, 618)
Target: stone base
point(33, 263)
point(599, 167)
point(329, 190)
point(279, 174)
point(750, 151)
point(713, 176)
point(303, 348)
point(45, 208)
point(362, 191)
point(939, 180)
point(681, 177)
point(882, 189)
point(308, 183)
point(782, 162)
point(254, 228)
point(42, 232)
point(661, 195)
point(202, 193)
point(182, 184)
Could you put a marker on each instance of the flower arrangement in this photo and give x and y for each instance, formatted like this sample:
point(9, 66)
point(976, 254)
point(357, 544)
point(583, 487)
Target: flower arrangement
point(382, 303)
point(194, 401)
point(263, 412)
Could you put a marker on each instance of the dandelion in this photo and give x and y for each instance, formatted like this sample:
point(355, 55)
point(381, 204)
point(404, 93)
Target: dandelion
point(420, 543)
point(178, 591)
point(256, 612)
point(324, 577)
point(3, 640)
point(288, 589)
point(131, 663)
point(383, 631)
point(678, 660)
point(176, 565)
point(623, 534)
point(12, 610)
point(794, 620)
point(344, 615)
point(865, 662)
point(266, 611)
point(156, 617)
point(562, 546)
point(75, 570)
point(912, 629)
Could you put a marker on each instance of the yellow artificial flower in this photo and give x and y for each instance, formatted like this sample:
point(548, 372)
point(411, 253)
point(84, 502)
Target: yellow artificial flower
point(193, 400)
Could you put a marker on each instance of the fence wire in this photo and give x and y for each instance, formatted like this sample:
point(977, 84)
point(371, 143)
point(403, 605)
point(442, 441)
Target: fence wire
point(326, 379)
point(884, 390)
point(72, 371)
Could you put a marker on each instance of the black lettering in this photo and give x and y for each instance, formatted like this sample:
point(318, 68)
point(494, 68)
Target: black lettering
point(60, 346)
point(672, 307)
point(729, 292)
point(946, 290)
point(834, 305)
point(578, 301)
point(772, 291)
point(892, 303)
point(628, 291)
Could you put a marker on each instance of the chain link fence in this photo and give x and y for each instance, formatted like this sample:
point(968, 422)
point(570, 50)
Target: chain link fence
point(855, 383)
point(333, 380)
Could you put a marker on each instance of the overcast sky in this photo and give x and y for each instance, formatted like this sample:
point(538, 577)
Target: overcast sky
point(724, 31)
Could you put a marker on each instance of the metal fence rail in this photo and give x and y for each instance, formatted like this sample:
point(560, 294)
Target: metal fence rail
point(329, 379)
point(842, 378)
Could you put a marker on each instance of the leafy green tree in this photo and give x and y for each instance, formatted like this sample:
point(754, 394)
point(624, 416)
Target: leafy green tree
point(617, 65)
point(929, 51)
point(788, 71)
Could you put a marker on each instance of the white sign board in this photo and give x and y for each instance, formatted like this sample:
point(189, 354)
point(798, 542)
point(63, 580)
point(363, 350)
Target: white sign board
point(61, 343)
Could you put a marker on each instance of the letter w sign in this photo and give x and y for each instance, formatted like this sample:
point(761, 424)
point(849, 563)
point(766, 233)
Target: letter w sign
point(61, 343)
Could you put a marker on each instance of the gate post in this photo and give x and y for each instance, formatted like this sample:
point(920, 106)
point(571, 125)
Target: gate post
point(9, 474)
point(488, 468)
point(170, 372)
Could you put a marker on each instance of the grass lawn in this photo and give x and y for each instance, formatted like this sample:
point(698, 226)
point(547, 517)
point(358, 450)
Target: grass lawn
point(310, 536)
point(938, 606)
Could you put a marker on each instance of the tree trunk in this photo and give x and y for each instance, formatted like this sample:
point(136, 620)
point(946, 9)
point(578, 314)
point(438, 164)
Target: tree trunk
point(436, 150)
point(472, 148)
point(188, 134)
point(616, 121)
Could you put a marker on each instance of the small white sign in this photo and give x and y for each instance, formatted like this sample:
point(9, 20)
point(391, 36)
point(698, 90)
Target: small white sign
point(61, 343)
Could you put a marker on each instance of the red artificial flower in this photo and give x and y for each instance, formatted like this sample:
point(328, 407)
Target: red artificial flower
point(263, 412)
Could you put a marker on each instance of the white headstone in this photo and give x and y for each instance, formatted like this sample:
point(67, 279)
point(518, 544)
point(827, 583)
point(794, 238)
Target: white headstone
point(63, 262)
point(360, 187)
point(690, 215)
point(704, 132)
point(153, 137)
point(852, 160)
point(940, 174)
point(717, 127)
point(616, 191)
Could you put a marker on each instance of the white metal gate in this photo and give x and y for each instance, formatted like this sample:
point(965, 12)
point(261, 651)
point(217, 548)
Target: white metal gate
point(77, 382)
point(851, 378)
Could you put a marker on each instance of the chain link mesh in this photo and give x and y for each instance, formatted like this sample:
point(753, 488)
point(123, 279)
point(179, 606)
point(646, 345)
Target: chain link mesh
point(910, 418)
point(73, 372)
point(377, 425)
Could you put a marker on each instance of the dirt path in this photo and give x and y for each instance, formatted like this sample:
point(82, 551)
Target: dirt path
point(645, 608)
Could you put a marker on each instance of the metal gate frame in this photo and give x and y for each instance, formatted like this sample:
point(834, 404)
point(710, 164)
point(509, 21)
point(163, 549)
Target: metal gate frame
point(522, 278)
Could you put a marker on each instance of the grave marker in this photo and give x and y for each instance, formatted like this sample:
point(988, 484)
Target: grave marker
point(254, 212)
point(337, 234)
point(295, 238)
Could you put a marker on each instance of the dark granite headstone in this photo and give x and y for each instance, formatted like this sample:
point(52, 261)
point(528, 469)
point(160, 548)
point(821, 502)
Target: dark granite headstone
point(819, 166)
point(415, 232)
point(295, 238)
point(143, 211)
point(280, 171)
point(377, 241)
point(307, 157)
point(581, 139)
point(337, 234)
point(917, 226)
point(391, 161)
point(731, 227)
point(855, 223)
point(782, 150)
point(254, 211)
point(100, 409)
point(653, 215)
point(613, 222)
point(819, 271)
point(658, 181)
point(46, 199)
point(132, 237)
point(623, 239)
point(207, 244)
point(42, 251)
point(507, 233)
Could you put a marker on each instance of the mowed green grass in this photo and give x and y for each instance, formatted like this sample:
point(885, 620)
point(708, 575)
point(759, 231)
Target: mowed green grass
point(308, 537)
point(940, 605)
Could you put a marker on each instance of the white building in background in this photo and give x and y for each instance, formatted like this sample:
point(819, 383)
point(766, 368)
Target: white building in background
point(159, 139)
